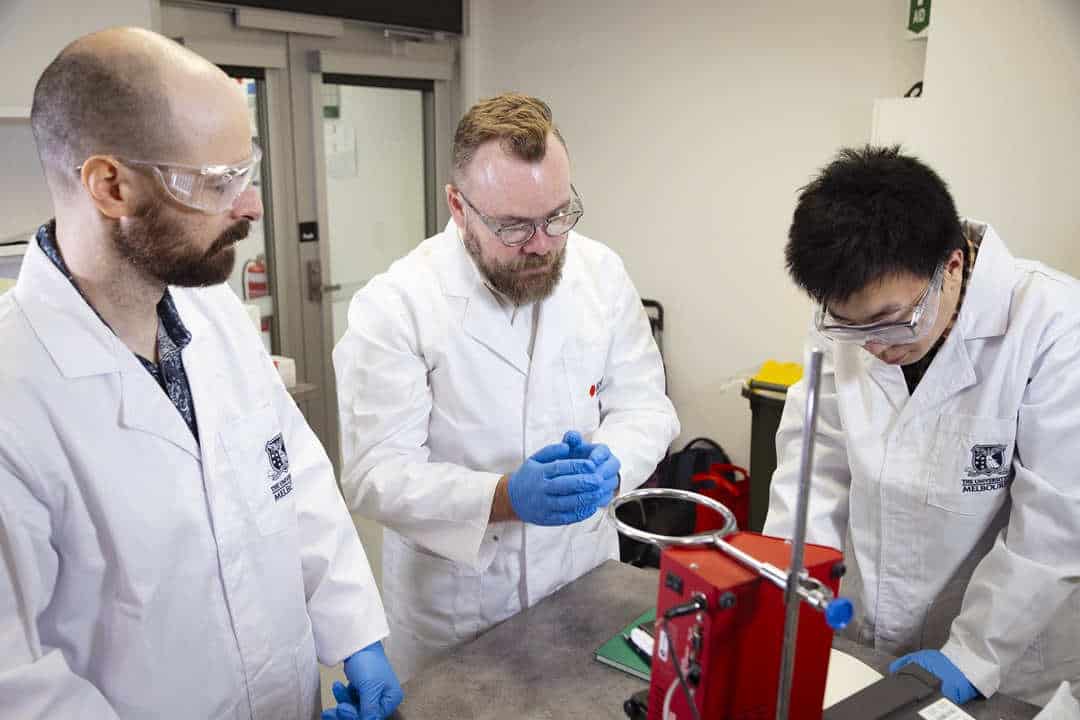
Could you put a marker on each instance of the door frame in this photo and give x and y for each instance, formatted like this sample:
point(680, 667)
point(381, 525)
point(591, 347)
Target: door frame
point(310, 58)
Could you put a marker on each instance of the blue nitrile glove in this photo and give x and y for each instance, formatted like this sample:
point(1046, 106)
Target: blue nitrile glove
point(607, 465)
point(953, 683)
point(373, 691)
point(550, 488)
point(346, 707)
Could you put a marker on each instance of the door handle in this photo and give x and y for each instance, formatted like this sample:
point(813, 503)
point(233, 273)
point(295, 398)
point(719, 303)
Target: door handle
point(316, 289)
point(314, 280)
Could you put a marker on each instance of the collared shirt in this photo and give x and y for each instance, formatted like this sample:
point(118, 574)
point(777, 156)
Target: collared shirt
point(914, 372)
point(172, 336)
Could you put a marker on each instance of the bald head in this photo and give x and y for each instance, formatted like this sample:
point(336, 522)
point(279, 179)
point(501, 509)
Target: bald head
point(131, 93)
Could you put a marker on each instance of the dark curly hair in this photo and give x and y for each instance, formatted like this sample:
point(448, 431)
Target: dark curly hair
point(870, 214)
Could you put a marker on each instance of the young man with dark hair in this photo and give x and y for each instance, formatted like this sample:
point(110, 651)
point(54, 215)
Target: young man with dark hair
point(946, 448)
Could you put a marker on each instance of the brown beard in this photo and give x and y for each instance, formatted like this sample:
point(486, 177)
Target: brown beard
point(162, 248)
point(507, 277)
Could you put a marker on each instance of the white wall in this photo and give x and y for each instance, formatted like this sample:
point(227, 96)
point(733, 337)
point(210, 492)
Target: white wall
point(1000, 119)
point(32, 32)
point(691, 125)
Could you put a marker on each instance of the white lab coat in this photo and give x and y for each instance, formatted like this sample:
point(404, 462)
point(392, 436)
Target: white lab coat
point(989, 574)
point(438, 400)
point(143, 575)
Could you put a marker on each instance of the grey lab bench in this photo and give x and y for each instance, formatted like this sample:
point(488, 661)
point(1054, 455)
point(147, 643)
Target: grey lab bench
point(539, 665)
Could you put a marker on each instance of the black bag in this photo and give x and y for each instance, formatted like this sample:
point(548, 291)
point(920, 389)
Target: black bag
point(664, 516)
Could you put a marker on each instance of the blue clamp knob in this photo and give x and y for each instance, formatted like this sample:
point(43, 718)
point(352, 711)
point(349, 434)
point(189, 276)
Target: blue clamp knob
point(838, 613)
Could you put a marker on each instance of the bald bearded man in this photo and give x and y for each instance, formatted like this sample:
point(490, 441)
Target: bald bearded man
point(172, 540)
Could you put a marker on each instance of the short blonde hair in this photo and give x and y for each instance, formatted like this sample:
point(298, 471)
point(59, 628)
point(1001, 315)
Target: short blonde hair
point(520, 122)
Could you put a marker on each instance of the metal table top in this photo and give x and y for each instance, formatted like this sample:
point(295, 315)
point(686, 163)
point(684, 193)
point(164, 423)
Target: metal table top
point(539, 665)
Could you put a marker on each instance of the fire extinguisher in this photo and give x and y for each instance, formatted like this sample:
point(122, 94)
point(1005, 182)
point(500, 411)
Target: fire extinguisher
point(256, 281)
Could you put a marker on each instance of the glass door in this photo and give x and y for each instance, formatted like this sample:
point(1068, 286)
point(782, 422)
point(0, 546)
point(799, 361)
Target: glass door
point(375, 180)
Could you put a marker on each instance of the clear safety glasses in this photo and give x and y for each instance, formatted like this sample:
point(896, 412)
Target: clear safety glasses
point(211, 189)
point(517, 234)
point(916, 327)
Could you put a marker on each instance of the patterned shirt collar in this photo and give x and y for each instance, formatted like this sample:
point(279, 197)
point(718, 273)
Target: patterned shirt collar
point(168, 315)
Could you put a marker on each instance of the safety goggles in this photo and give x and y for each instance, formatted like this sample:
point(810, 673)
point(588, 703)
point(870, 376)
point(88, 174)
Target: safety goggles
point(517, 234)
point(916, 327)
point(211, 189)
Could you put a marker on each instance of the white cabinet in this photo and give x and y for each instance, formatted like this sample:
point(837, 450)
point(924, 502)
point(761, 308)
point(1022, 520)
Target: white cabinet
point(24, 197)
point(32, 32)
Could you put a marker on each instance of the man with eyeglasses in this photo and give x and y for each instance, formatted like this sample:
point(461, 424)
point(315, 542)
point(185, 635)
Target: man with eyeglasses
point(497, 387)
point(948, 435)
point(172, 541)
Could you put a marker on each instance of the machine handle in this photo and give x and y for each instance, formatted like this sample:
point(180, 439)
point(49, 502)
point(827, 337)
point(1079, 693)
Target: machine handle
point(838, 613)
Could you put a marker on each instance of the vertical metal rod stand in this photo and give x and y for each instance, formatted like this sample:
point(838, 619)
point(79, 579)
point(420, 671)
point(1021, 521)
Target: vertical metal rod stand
point(791, 595)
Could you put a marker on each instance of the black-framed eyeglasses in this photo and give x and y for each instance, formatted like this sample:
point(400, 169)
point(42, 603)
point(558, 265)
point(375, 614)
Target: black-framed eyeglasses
point(516, 234)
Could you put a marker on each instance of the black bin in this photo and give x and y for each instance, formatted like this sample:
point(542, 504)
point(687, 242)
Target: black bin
point(766, 407)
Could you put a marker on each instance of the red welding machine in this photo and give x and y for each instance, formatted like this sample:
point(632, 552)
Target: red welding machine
point(729, 651)
point(744, 621)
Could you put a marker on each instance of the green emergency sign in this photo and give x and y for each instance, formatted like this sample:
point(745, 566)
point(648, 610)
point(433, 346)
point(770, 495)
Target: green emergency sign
point(919, 17)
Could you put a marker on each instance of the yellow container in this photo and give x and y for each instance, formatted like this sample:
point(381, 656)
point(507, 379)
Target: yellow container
point(778, 376)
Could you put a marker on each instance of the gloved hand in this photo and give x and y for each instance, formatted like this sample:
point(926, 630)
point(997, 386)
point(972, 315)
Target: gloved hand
point(953, 683)
point(373, 691)
point(607, 465)
point(551, 489)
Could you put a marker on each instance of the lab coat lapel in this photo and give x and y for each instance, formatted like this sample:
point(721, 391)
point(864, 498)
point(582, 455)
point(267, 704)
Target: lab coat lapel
point(951, 372)
point(77, 340)
point(148, 408)
point(484, 320)
point(984, 314)
point(145, 407)
point(82, 345)
point(988, 299)
point(206, 370)
point(558, 314)
point(889, 378)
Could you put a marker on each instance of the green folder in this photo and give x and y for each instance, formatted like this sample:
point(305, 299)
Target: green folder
point(617, 653)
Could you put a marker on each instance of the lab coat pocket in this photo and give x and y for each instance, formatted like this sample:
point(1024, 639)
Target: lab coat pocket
point(971, 464)
point(584, 364)
point(260, 469)
point(430, 593)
